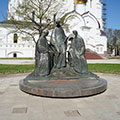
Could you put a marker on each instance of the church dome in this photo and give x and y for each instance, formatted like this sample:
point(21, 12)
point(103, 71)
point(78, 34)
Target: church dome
point(80, 1)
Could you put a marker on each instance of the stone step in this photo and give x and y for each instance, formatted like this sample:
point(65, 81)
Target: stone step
point(89, 54)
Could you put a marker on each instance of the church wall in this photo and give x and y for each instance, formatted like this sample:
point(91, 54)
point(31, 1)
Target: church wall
point(86, 26)
point(2, 53)
point(21, 53)
point(8, 48)
point(97, 11)
point(8, 52)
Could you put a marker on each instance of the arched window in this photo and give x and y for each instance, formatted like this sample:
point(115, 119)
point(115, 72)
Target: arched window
point(15, 55)
point(97, 49)
point(101, 49)
point(15, 39)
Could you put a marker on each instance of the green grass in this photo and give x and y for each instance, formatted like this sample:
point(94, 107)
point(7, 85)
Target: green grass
point(115, 57)
point(13, 69)
point(105, 68)
point(100, 68)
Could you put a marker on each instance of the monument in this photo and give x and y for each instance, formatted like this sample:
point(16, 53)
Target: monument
point(60, 72)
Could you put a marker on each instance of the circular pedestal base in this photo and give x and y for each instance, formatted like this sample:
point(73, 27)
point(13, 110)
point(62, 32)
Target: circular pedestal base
point(67, 88)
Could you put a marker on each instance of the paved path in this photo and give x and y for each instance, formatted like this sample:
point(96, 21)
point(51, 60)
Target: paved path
point(111, 61)
point(116, 61)
point(17, 105)
point(5, 61)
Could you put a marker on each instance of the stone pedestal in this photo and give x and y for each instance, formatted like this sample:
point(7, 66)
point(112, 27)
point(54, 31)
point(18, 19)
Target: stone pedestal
point(64, 88)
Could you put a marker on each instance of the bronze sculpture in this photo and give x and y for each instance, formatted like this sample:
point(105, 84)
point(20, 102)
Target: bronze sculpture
point(76, 54)
point(42, 66)
point(53, 77)
point(58, 40)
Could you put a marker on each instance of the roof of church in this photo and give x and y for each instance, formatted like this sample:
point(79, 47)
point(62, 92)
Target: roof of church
point(102, 33)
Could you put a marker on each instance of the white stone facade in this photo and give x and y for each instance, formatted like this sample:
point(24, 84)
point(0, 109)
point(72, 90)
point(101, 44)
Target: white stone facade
point(89, 24)
point(9, 49)
point(86, 19)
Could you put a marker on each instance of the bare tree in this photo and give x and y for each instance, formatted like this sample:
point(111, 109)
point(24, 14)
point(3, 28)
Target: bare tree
point(109, 34)
point(32, 17)
point(116, 41)
point(113, 40)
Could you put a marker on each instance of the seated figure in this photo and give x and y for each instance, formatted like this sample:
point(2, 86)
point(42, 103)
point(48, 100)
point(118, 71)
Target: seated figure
point(76, 56)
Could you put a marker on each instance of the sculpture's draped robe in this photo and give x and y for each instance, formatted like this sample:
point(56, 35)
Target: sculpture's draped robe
point(42, 67)
point(76, 55)
point(58, 40)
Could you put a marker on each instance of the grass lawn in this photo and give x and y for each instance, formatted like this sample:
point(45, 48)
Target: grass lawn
point(13, 69)
point(105, 68)
point(115, 57)
point(100, 68)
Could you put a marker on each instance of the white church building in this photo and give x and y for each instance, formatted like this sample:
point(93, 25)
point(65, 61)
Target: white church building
point(87, 21)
